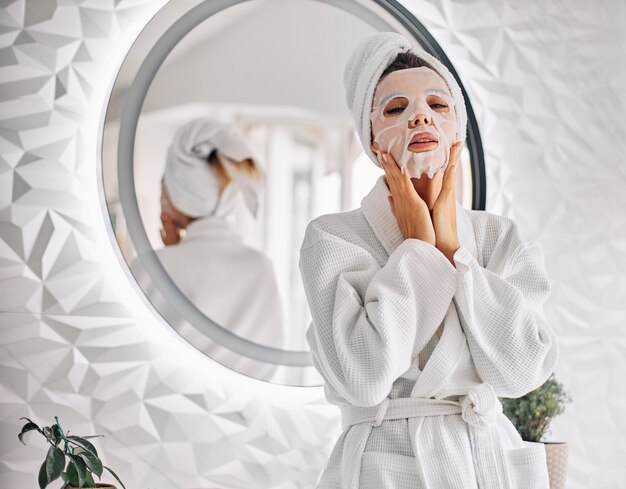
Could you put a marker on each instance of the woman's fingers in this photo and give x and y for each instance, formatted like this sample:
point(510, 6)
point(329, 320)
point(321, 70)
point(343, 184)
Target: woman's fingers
point(388, 166)
point(408, 208)
point(455, 149)
point(400, 172)
point(391, 171)
point(449, 177)
point(400, 179)
point(400, 184)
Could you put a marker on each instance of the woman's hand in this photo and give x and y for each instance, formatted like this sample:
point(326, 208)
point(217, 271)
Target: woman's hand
point(409, 209)
point(444, 209)
point(170, 232)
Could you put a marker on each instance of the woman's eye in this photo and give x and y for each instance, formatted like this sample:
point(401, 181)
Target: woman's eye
point(394, 110)
point(439, 105)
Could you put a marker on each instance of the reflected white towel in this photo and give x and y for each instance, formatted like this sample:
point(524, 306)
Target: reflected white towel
point(192, 187)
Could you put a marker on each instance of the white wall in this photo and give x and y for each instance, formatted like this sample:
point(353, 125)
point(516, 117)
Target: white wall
point(548, 82)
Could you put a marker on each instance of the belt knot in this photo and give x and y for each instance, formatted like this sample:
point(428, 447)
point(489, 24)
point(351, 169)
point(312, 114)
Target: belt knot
point(480, 406)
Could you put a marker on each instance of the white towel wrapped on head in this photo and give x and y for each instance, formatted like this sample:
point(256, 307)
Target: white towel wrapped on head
point(193, 188)
point(367, 63)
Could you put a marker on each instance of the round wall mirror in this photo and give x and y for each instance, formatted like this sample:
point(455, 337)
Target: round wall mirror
point(272, 69)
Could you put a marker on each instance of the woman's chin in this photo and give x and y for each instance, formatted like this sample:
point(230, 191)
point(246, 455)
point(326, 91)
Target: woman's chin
point(424, 179)
point(423, 174)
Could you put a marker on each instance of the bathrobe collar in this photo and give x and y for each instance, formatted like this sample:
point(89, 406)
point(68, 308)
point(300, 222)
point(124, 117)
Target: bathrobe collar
point(377, 212)
point(211, 226)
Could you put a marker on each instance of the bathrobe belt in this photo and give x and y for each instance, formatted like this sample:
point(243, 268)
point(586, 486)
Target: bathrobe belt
point(478, 409)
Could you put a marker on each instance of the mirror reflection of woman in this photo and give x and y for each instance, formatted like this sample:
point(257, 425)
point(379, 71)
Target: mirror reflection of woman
point(209, 172)
point(423, 312)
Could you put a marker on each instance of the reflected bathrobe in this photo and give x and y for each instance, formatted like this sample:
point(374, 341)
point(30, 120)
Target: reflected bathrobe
point(230, 282)
point(393, 318)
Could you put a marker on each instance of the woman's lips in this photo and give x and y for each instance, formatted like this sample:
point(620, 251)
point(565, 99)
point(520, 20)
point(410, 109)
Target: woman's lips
point(418, 147)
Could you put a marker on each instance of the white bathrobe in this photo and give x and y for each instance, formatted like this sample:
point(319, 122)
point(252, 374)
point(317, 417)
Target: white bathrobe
point(393, 318)
point(230, 282)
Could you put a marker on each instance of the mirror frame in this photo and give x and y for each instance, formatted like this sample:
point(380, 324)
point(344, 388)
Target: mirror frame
point(155, 44)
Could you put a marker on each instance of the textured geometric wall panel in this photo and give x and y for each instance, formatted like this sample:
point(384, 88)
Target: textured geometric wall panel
point(548, 83)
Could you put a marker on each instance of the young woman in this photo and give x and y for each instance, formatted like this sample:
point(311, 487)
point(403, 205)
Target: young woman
point(424, 313)
point(209, 172)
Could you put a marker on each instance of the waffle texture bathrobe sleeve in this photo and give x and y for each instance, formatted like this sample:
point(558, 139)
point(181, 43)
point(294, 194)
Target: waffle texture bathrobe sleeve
point(365, 315)
point(501, 310)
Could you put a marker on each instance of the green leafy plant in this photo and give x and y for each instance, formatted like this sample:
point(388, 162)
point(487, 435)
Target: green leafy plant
point(81, 456)
point(531, 414)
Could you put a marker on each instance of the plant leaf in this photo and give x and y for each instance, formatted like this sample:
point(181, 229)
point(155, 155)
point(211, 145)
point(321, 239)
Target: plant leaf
point(55, 463)
point(89, 482)
point(93, 463)
point(115, 475)
point(81, 468)
point(43, 477)
point(30, 426)
point(72, 475)
point(84, 444)
point(53, 434)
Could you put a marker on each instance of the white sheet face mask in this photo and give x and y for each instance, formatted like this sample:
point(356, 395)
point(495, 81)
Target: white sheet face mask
point(409, 102)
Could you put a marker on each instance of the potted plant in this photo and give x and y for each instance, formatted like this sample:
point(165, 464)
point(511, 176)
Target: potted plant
point(531, 415)
point(81, 457)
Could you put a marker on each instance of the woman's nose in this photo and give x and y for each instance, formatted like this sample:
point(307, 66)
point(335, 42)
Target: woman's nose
point(419, 120)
